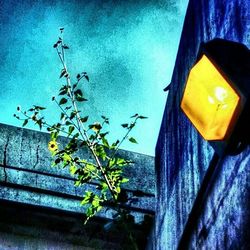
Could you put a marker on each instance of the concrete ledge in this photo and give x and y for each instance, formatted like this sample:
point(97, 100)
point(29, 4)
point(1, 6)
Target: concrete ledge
point(29, 227)
point(27, 177)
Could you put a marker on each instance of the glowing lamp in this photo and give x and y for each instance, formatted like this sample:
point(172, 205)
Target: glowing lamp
point(209, 101)
point(216, 93)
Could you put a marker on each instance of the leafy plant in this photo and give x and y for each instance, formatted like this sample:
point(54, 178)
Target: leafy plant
point(105, 169)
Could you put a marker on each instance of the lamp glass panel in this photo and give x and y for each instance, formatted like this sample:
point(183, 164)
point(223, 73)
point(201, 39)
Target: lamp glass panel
point(209, 101)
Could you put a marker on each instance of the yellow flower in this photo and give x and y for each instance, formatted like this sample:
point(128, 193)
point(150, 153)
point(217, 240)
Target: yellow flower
point(52, 146)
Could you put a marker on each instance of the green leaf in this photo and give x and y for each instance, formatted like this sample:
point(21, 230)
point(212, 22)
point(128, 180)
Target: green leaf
point(63, 72)
point(133, 140)
point(121, 162)
point(63, 92)
point(39, 122)
point(76, 136)
point(124, 180)
point(78, 92)
point(63, 88)
point(85, 177)
point(57, 160)
point(54, 135)
point(39, 107)
point(72, 146)
point(73, 169)
point(104, 186)
point(105, 142)
point(133, 116)
point(80, 99)
point(83, 143)
point(70, 130)
point(67, 123)
point(58, 125)
point(101, 152)
point(142, 117)
point(72, 115)
point(96, 202)
point(68, 107)
point(25, 122)
point(62, 101)
point(106, 120)
point(111, 162)
point(90, 167)
point(131, 125)
point(84, 119)
point(65, 46)
point(84, 202)
point(77, 183)
point(86, 77)
point(114, 144)
point(92, 137)
point(66, 157)
point(88, 197)
point(62, 116)
point(103, 134)
point(125, 125)
point(118, 190)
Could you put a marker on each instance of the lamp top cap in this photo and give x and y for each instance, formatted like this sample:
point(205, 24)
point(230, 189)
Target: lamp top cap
point(232, 58)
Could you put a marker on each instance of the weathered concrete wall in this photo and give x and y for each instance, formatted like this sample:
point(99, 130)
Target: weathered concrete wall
point(28, 178)
point(183, 157)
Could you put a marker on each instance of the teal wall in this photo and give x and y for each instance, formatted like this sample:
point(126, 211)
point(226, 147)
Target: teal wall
point(128, 49)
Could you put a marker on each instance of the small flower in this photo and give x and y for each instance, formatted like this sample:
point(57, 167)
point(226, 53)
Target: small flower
point(96, 127)
point(52, 146)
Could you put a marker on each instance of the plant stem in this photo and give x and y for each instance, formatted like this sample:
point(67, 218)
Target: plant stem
point(80, 125)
